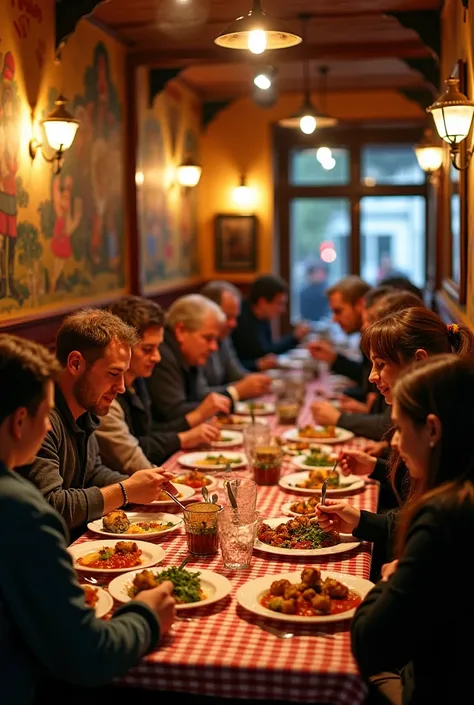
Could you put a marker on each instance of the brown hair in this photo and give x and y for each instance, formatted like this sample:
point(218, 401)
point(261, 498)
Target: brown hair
point(25, 367)
point(397, 336)
point(396, 301)
point(440, 385)
point(352, 288)
point(90, 331)
point(138, 312)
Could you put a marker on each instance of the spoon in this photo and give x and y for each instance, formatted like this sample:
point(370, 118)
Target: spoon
point(214, 499)
point(173, 498)
point(205, 494)
point(282, 634)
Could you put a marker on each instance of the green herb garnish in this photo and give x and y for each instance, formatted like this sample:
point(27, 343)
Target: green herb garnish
point(187, 586)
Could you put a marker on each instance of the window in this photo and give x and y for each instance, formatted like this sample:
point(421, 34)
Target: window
point(361, 211)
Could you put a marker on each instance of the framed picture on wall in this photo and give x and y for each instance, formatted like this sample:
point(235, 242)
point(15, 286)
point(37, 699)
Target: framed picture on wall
point(235, 243)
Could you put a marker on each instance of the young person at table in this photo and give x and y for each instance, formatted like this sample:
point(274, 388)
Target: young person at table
point(392, 343)
point(223, 371)
point(46, 629)
point(128, 440)
point(177, 392)
point(252, 337)
point(94, 348)
point(407, 635)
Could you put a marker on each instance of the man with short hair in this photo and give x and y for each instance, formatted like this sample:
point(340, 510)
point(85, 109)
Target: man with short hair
point(94, 347)
point(223, 370)
point(252, 337)
point(46, 629)
point(128, 439)
point(192, 329)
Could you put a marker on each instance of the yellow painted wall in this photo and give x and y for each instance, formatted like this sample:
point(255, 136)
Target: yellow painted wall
point(169, 131)
point(70, 230)
point(239, 141)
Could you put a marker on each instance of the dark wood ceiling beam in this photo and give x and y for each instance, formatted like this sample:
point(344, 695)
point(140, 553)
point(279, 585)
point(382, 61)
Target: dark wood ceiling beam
point(426, 23)
point(68, 15)
point(375, 50)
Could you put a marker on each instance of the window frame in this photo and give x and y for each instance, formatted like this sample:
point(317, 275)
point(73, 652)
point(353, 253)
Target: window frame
point(352, 138)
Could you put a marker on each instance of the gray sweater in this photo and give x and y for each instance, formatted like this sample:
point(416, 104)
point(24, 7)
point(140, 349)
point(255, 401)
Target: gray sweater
point(68, 469)
point(46, 630)
point(222, 368)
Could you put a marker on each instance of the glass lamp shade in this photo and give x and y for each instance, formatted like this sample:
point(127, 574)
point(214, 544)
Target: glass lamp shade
point(452, 113)
point(188, 174)
point(60, 126)
point(243, 196)
point(294, 121)
point(428, 153)
point(256, 32)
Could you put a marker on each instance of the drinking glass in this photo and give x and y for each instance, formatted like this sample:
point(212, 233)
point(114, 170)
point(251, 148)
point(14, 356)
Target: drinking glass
point(255, 434)
point(265, 461)
point(244, 490)
point(237, 534)
point(287, 411)
point(200, 523)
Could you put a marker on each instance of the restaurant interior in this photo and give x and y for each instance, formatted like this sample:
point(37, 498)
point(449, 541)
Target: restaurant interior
point(150, 147)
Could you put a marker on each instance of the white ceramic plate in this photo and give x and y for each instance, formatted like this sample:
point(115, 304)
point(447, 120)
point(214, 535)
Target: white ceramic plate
point(299, 461)
point(342, 435)
point(262, 408)
point(348, 543)
point(192, 460)
point(211, 482)
point(286, 448)
point(151, 555)
point(238, 422)
point(105, 602)
point(232, 438)
point(352, 483)
point(184, 494)
point(249, 594)
point(215, 586)
point(135, 517)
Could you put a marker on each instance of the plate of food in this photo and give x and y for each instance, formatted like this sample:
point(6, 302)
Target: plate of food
point(315, 458)
point(98, 599)
point(328, 434)
point(300, 536)
point(213, 461)
point(227, 439)
point(304, 447)
point(234, 422)
point(308, 596)
point(114, 556)
point(183, 493)
point(306, 506)
point(311, 481)
point(195, 479)
point(193, 587)
point(260, 408)
point(135, 525)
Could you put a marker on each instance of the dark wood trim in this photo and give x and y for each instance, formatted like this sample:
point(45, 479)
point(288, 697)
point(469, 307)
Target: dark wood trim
point(131, 145)
point(447, 310)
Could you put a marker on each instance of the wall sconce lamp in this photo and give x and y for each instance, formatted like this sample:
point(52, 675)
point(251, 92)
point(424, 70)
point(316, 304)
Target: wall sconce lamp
point(257, 32)
point(60, 128)
point(243, 195)
point(452, 114)
point(429, 154)
point(188, 173)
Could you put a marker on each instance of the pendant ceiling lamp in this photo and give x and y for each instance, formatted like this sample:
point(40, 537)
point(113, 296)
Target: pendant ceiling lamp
point(308, 115)
point(257, 32)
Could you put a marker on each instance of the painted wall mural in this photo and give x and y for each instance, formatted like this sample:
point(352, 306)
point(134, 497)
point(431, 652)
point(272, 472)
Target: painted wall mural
point(62, 238)
point(167, 213)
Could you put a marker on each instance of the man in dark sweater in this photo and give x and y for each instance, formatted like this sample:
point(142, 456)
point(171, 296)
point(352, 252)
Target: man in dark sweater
point(253, 339)
point(176, 387)
point(47, 632)
point(128, 439)
point(94, 348)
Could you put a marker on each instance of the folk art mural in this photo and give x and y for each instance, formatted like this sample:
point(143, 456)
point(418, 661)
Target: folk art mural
point(62, 238)
point(167, 222)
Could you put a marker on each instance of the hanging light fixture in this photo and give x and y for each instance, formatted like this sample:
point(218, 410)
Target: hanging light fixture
point(60, 128)
point(428, 153)
point(452, 114)
point(243, 195)
point(308, 117)
point(257, 32)
point(188, 173)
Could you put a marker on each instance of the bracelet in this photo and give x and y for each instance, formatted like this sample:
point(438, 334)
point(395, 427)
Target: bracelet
point(124, 492)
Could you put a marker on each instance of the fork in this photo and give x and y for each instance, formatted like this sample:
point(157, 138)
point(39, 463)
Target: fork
point(282, 634)
point(324, 487)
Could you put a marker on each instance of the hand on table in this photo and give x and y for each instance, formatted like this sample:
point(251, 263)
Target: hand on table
point(200, 435)
point(388, 569)
point(353, 406)
point(355, 462)
point(301, 330)
point(324, 413)
point(375, 448)
point(321, 350)
point(144, 486)
point(253, 385)
point(267, 362)
point(212, 404)
point(338, 516)
point(161, 601)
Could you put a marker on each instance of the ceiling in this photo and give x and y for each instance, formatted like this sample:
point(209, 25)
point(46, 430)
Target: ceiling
point(366, 44)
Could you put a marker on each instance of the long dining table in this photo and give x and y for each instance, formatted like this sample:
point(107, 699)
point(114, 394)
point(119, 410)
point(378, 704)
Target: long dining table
point(223, 652)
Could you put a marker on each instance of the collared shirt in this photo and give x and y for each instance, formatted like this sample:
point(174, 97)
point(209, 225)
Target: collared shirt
point(68, 469)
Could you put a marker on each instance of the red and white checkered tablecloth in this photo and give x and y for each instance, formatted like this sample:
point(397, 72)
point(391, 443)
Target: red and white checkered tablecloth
point(225, 654)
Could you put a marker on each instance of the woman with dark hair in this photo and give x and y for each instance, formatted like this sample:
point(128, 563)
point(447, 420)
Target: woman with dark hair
point(391, 344)
point(406, 634)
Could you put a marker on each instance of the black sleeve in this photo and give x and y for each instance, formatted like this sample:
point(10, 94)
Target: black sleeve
point(167, 391)
point(353, 369)
point(380, 472)
point(372, 426)
point(158, 447)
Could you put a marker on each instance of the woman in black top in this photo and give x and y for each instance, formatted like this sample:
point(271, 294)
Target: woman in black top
point(407, 633)
point(392, 343)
